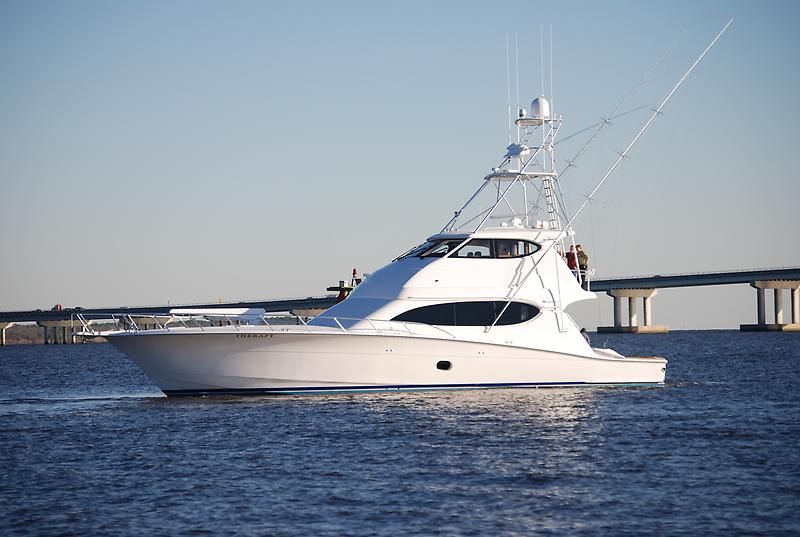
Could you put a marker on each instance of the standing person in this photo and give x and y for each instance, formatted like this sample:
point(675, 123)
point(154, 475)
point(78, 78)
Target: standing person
point(583, 264)
point(572, 261)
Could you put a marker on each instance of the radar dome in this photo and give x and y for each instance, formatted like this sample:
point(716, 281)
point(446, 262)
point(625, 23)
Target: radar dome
point(540, 109)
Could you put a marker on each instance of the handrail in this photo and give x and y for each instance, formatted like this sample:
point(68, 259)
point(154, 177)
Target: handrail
point(127, 322)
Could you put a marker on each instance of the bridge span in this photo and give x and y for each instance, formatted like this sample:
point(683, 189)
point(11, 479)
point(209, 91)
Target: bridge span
point(645, 287)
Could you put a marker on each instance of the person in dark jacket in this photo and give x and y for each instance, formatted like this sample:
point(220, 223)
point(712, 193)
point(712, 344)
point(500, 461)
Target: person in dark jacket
point(572, 260)
point(583, 264)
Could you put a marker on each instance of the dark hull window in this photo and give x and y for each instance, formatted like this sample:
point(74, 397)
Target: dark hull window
point(442, 314)
point(481, 313)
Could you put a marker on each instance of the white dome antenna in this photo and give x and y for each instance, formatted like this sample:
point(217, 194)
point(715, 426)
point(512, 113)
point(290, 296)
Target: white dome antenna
point(540, 113)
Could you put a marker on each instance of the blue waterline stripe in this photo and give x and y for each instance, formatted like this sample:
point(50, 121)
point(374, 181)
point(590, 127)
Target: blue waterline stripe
point(304, 390)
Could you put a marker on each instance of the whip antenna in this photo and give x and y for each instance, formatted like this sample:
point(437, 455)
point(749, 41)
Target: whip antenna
point(541, 53)
point(508, 85)
point(552, 95)
point(516, 76)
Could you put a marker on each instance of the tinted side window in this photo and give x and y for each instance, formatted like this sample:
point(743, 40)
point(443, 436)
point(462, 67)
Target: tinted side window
point(517, 312)
point(474, 313)
point(470, 314)
point(441, 314)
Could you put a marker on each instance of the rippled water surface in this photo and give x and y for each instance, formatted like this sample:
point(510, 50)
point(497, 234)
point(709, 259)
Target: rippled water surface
point(89, 446)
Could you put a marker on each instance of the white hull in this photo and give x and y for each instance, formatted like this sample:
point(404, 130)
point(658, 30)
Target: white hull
point(296, 361)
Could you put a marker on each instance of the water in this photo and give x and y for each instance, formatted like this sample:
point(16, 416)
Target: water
point(88, 446)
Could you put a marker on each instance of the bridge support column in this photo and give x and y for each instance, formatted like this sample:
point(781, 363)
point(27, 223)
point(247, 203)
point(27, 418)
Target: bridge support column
point(777, 287)
point(51, 332)
point(633, 315)
point(778, 306)
point(617, 312)
point(3, 327)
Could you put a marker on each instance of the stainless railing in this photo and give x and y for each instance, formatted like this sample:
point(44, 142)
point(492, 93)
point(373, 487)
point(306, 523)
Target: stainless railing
point(140, 322)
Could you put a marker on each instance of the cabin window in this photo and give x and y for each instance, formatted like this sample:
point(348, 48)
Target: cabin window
point(477, 313)
point(496, 248)
point(475, 248)
point(514, 248)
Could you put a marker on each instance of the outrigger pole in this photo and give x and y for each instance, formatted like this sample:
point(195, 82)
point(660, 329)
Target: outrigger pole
point(622, 155)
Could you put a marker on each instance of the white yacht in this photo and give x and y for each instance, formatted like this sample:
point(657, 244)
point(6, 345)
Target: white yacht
point(480, 304)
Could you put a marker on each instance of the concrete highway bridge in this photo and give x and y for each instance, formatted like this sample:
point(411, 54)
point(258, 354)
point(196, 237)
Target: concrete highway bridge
point(631, 288)
point(646, 287)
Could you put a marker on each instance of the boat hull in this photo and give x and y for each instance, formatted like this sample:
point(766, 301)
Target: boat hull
point(205, 362)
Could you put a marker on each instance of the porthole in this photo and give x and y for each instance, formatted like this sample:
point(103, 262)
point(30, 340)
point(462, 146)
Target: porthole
point(444, 365)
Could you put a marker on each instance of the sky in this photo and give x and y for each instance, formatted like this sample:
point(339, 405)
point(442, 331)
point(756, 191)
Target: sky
point(193, 151)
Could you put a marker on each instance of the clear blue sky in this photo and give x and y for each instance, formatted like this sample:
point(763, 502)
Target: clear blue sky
point(196, 151)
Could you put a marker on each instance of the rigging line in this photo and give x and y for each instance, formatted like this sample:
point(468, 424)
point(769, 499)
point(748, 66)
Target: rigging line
point(479, 215)
point(458, 212)
point(604, 120)
point(491, 210)
point(595, 250)
point(508, 204)
point(602, 125)
point(485, 182)
point(624, 100)
point(656, 113)
point(559, 311)
point(560, 198)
